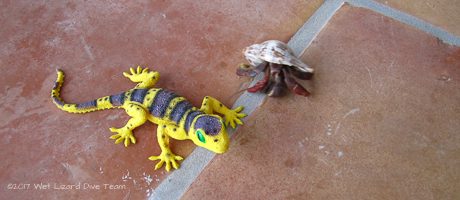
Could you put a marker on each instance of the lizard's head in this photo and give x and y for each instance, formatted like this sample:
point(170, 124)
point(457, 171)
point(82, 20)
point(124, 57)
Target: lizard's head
point(208, 131)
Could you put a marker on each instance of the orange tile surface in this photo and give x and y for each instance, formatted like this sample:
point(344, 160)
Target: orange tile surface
point(382, 122)
point(195, 45)
point(442, 13)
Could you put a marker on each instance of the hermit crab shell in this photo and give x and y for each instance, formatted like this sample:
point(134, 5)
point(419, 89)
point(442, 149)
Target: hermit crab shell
point(274, 51)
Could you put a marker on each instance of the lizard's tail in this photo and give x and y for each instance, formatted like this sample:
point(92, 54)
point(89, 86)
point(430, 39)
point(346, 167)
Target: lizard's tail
point(90, 106)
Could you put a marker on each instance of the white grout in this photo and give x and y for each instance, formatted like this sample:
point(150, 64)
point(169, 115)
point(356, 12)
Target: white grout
point(178, 182)
point(308, 32)
point(407, 19)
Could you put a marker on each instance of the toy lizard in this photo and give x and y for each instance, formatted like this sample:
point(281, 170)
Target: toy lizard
point(175, 116)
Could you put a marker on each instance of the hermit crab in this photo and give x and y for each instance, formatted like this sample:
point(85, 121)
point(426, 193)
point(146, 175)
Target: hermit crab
point(280, 65)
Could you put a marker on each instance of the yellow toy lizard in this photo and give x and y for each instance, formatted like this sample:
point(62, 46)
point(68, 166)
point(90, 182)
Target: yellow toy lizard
point(175, 116)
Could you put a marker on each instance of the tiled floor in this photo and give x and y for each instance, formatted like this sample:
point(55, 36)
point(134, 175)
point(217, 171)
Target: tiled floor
point(442, 13)
point(382, 122)
point(195, 45)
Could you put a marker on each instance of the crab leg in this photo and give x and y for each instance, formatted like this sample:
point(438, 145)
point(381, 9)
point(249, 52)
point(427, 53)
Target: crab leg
point(300, 73)
point(277, 84)
point(261, 85)
point(247, 70)
point(293, 85)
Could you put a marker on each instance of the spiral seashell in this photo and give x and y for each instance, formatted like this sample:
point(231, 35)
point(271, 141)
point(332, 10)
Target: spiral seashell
point(274, 51)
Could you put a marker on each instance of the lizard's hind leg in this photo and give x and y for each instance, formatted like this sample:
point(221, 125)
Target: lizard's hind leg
point(144, 77)
point(138, 117)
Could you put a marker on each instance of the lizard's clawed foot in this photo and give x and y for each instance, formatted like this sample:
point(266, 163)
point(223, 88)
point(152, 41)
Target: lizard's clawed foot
point(123, 134)
point(168, 158)
point(234, 116)
point(141, 74)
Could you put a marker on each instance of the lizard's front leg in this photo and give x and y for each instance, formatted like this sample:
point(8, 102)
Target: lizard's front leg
point(142, 76)
point(211, 105)
point(138, 117)
point(166, 155)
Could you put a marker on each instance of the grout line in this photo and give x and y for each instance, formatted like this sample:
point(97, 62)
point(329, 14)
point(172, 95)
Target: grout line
point(178, 182)
point(407, 19)
point(308, 32)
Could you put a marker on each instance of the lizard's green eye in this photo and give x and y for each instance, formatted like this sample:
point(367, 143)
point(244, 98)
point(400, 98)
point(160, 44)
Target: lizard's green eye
point(199, 134)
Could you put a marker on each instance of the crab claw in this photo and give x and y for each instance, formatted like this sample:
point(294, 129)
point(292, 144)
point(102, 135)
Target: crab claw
point(261, 85)
point(277, 84)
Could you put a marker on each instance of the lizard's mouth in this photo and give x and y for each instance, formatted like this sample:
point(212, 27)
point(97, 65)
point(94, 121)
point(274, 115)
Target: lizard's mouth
point(218, 143)
point(222, 149)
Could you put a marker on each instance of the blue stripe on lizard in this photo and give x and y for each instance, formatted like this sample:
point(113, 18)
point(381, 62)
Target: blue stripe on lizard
point(179, 110)
point(191, 115)
point(161, 102)
point(89, 104)
point(117, 99)
point(138, 95)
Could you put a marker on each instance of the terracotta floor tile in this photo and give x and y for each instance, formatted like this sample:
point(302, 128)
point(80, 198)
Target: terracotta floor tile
point(382, 122)
point(442, 13)
point(195, 45)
